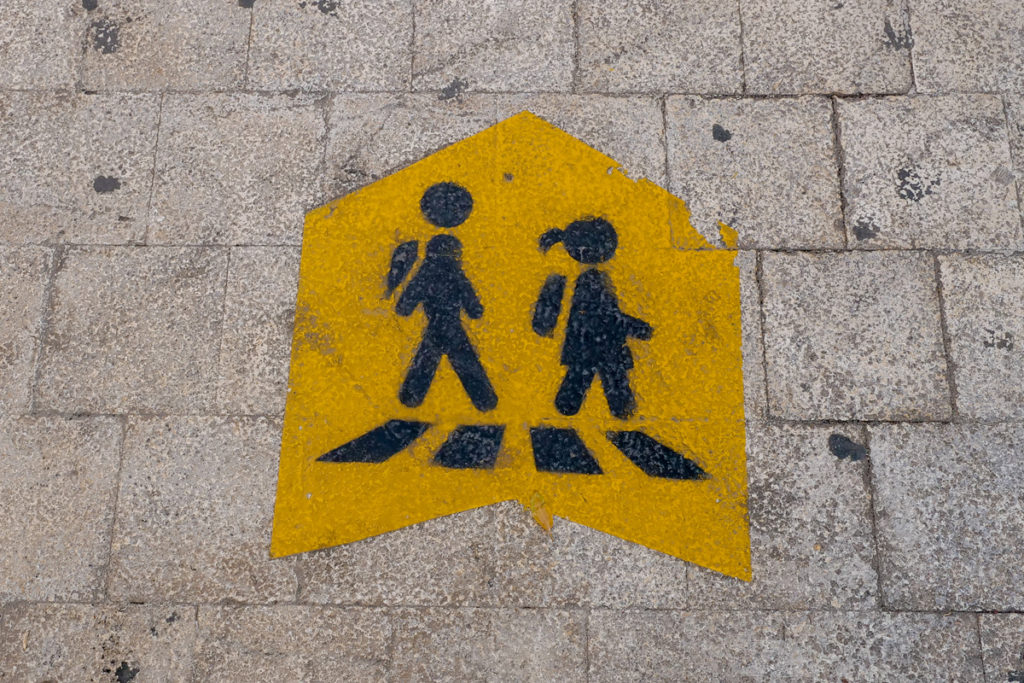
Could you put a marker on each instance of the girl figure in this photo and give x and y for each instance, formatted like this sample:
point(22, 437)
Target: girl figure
point(597, 331)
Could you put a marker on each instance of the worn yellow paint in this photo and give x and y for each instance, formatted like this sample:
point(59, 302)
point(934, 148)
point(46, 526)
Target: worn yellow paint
point(350, 353)
point(730, 238)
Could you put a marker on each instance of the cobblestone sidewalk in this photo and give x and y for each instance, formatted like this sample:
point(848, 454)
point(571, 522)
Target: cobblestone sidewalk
point(156, 160)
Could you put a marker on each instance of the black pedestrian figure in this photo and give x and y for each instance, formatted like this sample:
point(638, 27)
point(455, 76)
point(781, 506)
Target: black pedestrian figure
point(597, 331)
point(444, 291)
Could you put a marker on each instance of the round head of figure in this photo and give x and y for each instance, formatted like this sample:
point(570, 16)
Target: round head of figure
point(588, 240)
point(446, 204)
point(441, 246)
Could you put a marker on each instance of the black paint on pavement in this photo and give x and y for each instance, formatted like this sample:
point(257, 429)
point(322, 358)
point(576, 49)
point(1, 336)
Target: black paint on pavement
point(471, 447)
point(562, 451)
point(378, 444)
point(655, 458)
point(548, 306)
point(446, 205)
point(402, 260)
point(843, 447)
point(444, 291)
point(106, 183)
point(597, 330)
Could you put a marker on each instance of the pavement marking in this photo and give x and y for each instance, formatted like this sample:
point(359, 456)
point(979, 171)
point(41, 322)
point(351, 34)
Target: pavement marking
point(508, 319)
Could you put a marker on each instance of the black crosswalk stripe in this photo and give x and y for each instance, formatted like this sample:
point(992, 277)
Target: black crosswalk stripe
point(558, 450)
point(655, 458)
point(379, 444)
point(471, 447)
point(561, 450)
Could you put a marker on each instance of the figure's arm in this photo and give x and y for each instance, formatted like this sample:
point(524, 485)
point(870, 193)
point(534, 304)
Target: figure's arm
point(549, 305)
point(402, 260)
point(470, 301)
point(635, 327)
point(410, 298)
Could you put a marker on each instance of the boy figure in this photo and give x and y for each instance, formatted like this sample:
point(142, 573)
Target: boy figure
point(444, 291)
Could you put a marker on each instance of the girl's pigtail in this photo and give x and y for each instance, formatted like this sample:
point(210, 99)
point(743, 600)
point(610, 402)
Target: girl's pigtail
point(551, 238)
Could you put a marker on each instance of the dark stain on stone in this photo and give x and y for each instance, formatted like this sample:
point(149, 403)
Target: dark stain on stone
point(90, 5)
point(125, 673)
point(105, 36)
point(995, 339)
point(453, 89)
point(1015, 676)
point(720, 134)
point(105, 183)
point(912, 186)
point(173, 618)
point(355, 174)
point(904, 40)
point(327, 7)
point(864, 228)
point(843, 447)
point(247, 4)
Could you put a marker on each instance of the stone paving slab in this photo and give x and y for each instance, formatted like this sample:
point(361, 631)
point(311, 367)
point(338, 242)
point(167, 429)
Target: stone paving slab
point(491, 645)
point(41, 642)
point(141, 387)
point(56, 506)
point(371, 136)
point(292, 643)
point(983, 299)
point(156, 45)
point(259, 312)
point(826, 46)
point(755, 396)
point(517, 45)
point(133, 329)
point(754, 646)
point(76, 167)
point(236, 169)
point(660, 46)
point(811, 523)
point(24, 274)
point(968, 46)
point(766, 168)
point(854, 336)
point(1015, 121)
point(494, 557)
point(1002, 641)
point(205, 485)
point(40, 44)
point(811, 531)
point(410, 567)
point(950, 516)
point(628, 129)
point(928, 172)
point(324, 44)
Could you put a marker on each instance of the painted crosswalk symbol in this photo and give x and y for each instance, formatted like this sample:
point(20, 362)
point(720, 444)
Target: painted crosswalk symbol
point(514, 318)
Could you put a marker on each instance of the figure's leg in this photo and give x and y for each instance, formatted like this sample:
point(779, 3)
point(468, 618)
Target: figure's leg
point(421, 372)
point(615, 381)
point(574, 389)
point(466, 365)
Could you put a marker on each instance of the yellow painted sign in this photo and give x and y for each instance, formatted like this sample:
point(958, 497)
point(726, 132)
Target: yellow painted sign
point(514, 318)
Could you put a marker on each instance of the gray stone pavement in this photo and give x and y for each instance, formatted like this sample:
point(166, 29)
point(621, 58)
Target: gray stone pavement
point(156, 160)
